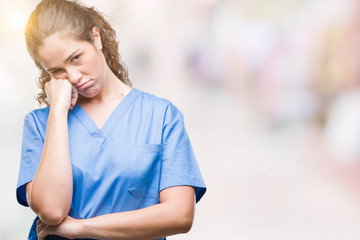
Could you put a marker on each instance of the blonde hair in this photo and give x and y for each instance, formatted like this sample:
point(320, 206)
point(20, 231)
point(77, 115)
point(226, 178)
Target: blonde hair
point(74, 19)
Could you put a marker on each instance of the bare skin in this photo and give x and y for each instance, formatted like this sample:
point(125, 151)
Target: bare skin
point(98, 91)
point(174, 214)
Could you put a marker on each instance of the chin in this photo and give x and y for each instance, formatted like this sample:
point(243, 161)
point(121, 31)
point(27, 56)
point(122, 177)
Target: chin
point(89, 94)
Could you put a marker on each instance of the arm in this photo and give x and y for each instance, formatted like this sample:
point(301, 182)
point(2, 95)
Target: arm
point(49, 194)
point(173, 215)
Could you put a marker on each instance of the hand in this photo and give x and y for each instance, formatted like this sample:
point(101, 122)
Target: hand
point(61, 94)
point(67, 228)
point(74, 97)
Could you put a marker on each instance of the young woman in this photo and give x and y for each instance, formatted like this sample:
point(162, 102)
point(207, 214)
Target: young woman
point(103, 160)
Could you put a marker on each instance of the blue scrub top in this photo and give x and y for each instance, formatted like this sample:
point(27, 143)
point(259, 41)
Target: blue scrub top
point(142, 149)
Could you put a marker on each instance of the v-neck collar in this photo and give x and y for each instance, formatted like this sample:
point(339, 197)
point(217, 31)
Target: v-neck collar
point(100, 134)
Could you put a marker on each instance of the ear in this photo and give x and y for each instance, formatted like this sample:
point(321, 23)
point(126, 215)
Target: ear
point(97, 38)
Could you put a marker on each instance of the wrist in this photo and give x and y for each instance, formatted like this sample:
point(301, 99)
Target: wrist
point(58, 111)
point(82, 231)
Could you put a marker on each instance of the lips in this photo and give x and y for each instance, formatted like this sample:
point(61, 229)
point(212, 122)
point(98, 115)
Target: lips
point(82, 85)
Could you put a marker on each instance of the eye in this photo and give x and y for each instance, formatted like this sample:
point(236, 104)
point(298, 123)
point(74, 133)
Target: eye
point(56, 72)
point(76, 58)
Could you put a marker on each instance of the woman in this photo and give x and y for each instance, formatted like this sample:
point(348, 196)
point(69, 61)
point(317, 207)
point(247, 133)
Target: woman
point(103, 160)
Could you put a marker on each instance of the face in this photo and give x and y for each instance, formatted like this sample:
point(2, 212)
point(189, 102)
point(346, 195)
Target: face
point(79, 62)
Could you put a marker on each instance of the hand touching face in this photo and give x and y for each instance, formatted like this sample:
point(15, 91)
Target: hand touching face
point(61, 94)
point(81, 63)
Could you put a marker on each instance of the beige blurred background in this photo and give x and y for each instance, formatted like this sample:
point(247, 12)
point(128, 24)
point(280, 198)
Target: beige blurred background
point(270, 91)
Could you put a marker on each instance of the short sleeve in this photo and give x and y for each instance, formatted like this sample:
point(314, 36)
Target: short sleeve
point(32, 145)
point(179, 166)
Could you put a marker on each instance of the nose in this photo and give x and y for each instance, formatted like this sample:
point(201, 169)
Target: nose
point(74, 75)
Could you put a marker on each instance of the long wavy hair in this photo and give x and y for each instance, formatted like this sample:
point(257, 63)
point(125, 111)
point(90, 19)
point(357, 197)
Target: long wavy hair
point(76, 20)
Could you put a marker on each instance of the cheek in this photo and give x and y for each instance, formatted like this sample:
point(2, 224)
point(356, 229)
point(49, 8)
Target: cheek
point(95, 64)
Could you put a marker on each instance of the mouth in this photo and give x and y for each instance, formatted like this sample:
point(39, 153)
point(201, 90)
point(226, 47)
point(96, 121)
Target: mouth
point(82, 85)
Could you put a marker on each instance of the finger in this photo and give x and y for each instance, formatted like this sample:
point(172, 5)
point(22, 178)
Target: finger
point(74, 97)
point(74, 92)
point(38, 222)
point(73, 101)
point(40, 227)
point(43, 233)
point(73, 89)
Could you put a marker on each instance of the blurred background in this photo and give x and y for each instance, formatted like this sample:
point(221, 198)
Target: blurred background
point(270, 91)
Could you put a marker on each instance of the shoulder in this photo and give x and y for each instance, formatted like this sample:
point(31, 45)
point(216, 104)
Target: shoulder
point(152, 100)
point(35, 123)
point(37, 116)
point(161, 107)
point(157, 103)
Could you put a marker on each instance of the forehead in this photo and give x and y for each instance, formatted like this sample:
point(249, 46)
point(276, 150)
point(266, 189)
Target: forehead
point(56, 49)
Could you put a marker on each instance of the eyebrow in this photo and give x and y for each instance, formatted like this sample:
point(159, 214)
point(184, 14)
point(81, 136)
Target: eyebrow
point(66, 60)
